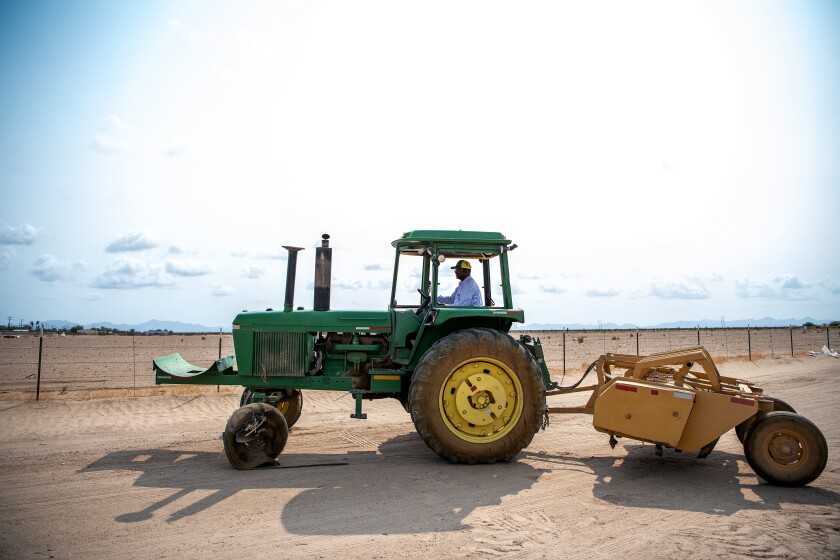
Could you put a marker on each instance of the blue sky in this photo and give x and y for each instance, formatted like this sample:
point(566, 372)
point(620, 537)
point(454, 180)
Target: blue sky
point(654, 161)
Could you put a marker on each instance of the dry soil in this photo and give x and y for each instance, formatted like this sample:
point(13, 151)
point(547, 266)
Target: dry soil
point(147, 478)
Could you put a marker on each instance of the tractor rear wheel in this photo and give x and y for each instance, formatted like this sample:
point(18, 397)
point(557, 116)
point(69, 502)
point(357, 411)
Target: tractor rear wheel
point(786, 449)
point(255, 435)
point(743, 428)
point(290, 407)
point(477, 396)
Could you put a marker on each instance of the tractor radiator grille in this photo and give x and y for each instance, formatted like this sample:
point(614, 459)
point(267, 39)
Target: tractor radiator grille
point(282, 354)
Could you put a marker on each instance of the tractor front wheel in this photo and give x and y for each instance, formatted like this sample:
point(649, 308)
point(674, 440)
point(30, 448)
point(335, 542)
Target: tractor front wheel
point(477, 396)
point(786, 449)
point(290, 406)
point(254, 436)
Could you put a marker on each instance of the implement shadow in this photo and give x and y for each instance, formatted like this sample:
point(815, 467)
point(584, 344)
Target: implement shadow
point(412, 488)
point(682, 482)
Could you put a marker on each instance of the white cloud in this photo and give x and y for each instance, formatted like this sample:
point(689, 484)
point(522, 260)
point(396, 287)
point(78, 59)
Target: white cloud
point(24, 234)
point(375, 266)
point(688, 288)
point(831, 286)
point(783, 286)
point(51, 269)
point(346, 284)
point(176, 148)
point(115, 121)
point(253, 272)
point(107, 145)
point(189, 268)
point(7, 256)
point(177, 25)
point(552, 288)
point(379, 284)
point(280, 254)
point(126, 273)
point(602, 292)
point(132, 241)
point(221, 291)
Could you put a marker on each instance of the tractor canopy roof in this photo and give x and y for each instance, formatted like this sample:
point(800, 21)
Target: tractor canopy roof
point(453, 243)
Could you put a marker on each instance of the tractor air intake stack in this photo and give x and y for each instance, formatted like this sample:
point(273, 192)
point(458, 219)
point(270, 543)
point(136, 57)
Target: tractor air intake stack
point(291, 268)
point(323, 272)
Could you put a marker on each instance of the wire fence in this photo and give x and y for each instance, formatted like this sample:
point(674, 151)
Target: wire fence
point(113, 365)
point(90, 363)
point(570, 351)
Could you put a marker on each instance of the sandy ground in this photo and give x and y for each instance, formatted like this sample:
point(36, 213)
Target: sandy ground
point(147, 478)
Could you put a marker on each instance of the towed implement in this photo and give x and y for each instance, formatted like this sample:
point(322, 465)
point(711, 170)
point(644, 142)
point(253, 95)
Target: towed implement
point(475, 393)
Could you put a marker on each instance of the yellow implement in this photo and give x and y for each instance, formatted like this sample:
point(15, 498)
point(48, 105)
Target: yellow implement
point(679, 400)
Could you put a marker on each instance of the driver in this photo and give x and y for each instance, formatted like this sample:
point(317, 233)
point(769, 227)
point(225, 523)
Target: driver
point(467, 293)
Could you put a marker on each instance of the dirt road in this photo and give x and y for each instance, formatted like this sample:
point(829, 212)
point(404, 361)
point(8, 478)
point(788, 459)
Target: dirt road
point(147, 478)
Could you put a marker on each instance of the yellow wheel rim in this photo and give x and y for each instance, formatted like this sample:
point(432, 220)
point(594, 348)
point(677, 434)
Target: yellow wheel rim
point(481, 400)
point(283, 406)
point(786, 449)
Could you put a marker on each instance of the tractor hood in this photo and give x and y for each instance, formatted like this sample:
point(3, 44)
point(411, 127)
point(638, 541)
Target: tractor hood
point(313, 321)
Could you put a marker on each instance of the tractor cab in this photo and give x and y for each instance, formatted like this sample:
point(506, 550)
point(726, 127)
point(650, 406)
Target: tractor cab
point(423, 271)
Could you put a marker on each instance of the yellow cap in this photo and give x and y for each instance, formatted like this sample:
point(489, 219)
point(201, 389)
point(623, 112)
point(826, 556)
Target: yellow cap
point(463, 264)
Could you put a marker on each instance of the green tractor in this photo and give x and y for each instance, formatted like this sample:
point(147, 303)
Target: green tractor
point(475, 394)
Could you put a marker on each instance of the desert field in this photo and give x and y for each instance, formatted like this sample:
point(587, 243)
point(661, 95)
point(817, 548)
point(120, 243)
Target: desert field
point(146, 477)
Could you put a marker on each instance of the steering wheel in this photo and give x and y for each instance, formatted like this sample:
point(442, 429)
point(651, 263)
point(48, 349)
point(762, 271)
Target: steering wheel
point(425, 301)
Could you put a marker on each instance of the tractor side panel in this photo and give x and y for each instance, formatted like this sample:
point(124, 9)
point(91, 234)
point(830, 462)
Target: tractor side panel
point(640, 410)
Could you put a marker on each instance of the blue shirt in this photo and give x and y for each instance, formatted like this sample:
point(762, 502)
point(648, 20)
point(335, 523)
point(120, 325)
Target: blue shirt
point(466, 294)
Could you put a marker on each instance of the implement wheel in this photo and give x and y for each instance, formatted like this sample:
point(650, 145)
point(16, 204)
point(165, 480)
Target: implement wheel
point(477, 396)
point(255, 435)
point(743, 428)
point(290, 407)
point(786, 449)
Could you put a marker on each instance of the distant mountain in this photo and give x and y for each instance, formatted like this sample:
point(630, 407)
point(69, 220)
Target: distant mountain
point(704, 323)
point(153, 325)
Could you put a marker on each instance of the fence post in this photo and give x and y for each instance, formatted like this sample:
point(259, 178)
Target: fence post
point(698, 335)
point(220, 351)
point(749, 343)
point(134, 362)
point(40, 354)
point(790, 327)
point(637, 340)
point(564, 350)
point(827, 340)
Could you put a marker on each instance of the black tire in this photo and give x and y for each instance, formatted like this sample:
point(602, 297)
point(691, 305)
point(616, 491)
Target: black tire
point(262, 434)
point(477, 396)
point(290, 407)
point(742, 429)
point(786, 449)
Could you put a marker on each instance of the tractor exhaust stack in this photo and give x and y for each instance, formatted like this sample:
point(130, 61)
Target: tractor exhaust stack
point(323, 272)
point(291, 269)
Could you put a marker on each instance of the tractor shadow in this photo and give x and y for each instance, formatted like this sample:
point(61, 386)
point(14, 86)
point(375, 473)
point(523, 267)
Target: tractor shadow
point(412, 489)
point(638, 478)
